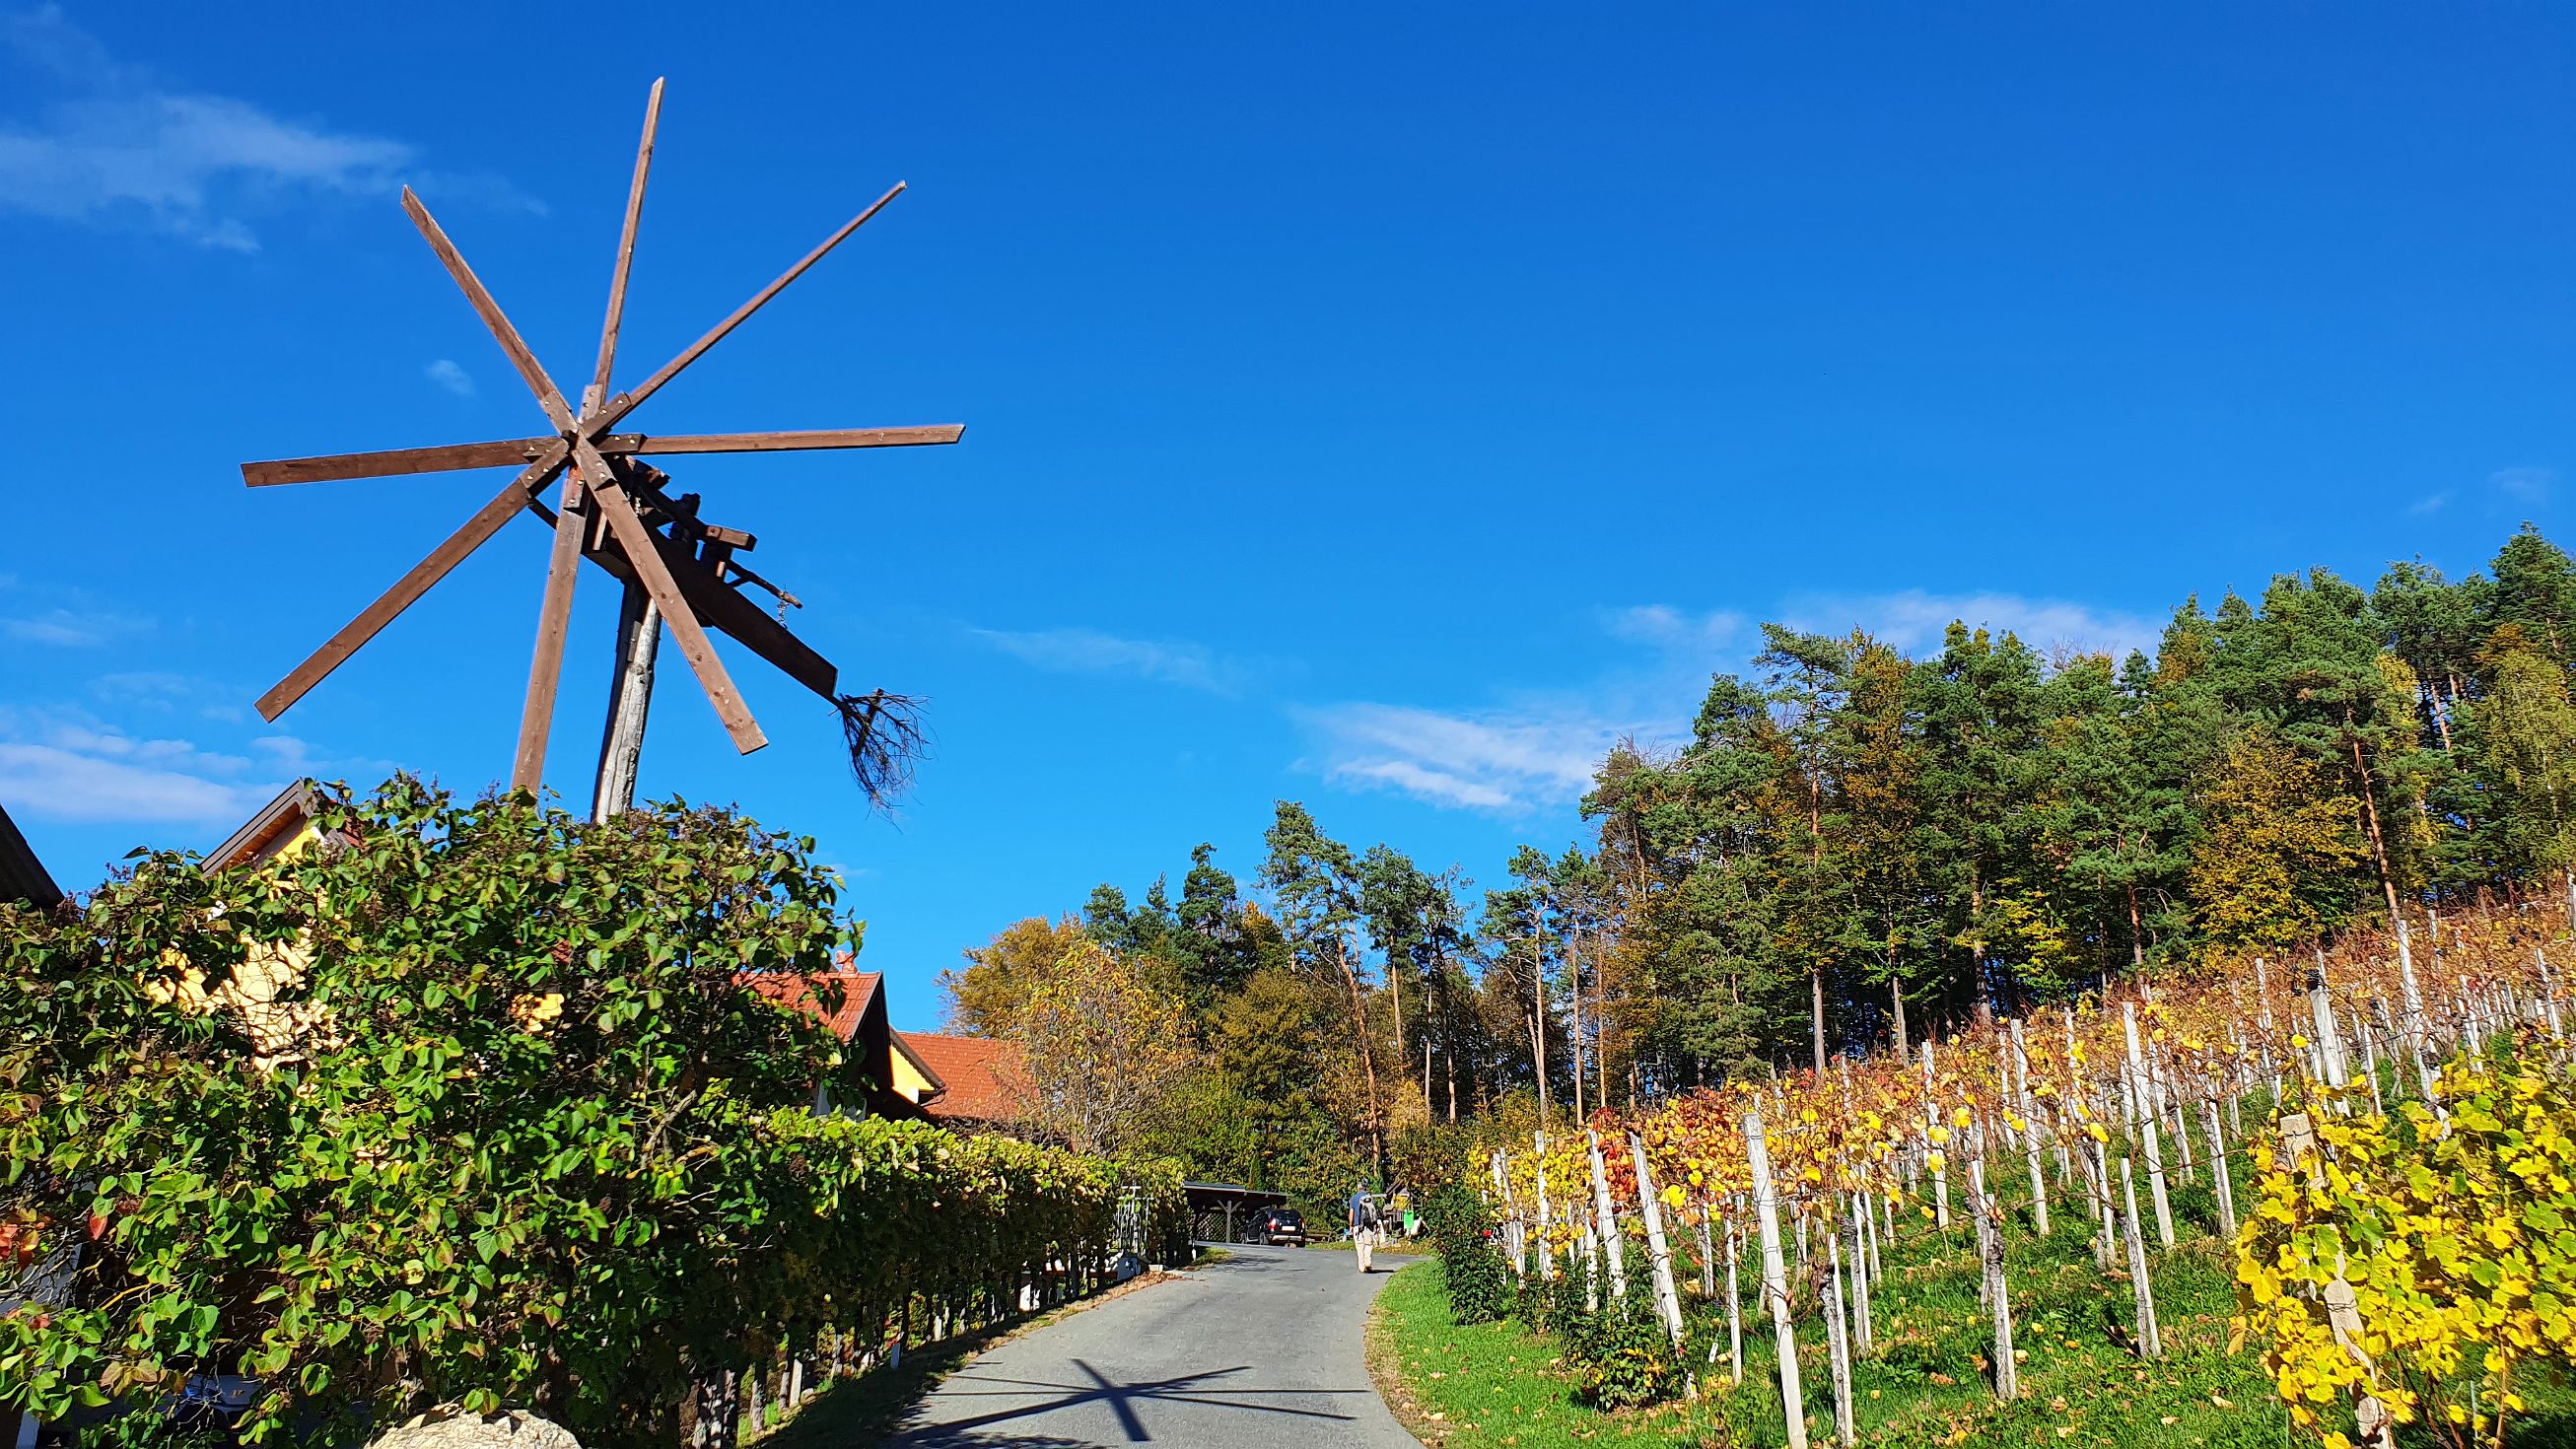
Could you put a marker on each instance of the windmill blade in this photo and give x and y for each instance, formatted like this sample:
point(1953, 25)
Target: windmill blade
point(548, 396)
point(637, 540)
point(519, 452)
point(625, 254)
point(627, 402)
point(486, 521)
point(912, 437)
point(545, 664)
point(397, 462)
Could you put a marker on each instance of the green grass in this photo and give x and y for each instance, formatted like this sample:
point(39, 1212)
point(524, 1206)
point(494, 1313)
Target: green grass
point(1925, 1381)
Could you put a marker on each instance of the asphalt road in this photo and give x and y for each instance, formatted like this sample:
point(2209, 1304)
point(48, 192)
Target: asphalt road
point(1258, 1351)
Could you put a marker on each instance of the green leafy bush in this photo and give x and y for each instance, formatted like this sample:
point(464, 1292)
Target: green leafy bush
point(1622, 1356)
point(471, 1104)
point(1461, 1228)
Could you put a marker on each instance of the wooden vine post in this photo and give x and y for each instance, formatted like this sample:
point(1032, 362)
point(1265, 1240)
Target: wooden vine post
point(1607, 1224)
point(2150, 1343)
point(1990, 1255)
point(2138, 1089)
point(1668, 1299)
point(1775, 1278)
point(2221, 1183)
point(1734, 1308)
point(1940, 1164)
point(1546, 1249)
point(1838, 1339)
point(2030, 1132)
point(1856, 1216)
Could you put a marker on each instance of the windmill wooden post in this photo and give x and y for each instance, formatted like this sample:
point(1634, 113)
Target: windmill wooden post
point(676, 569)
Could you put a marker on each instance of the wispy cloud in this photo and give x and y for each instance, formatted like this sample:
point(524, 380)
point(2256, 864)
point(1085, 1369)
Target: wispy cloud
point(1664, 627)
point(164, 692)
point(1503, 761)
point(1537, 750)
point(1914, 620)
point(2430, 503)
point(2525, 485)
point(448, 375)
point(115, 146)
point(1090, 651)
point(68, 768)
point(72, 630)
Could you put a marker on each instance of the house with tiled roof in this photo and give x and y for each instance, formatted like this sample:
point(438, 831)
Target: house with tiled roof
point(899, 1081)
point(987, 1079)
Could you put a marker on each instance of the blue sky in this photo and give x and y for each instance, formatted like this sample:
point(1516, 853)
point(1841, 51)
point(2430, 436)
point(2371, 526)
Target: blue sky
point(1385, 409)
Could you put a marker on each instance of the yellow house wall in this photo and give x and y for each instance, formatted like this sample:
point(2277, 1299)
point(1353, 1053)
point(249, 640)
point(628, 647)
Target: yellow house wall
point(908, 1081)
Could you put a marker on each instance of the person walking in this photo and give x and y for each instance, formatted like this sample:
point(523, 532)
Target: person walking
point(1363, 1225)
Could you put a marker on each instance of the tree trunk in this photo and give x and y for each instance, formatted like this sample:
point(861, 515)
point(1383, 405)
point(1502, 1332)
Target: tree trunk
point(1368, 1052)
point(1896, 994)
point(630, 700)
point(1574, 1028)
point(1395, 992)
point(1600, 1033)
point(1816, 1011)
point(1538, 1024)
point(1976, 942)
point(2370, 816)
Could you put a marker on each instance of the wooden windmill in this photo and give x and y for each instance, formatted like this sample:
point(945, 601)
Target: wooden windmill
point(616, 511)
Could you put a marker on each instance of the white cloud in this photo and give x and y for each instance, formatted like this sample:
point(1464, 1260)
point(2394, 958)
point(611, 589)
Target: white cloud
point(1913, 620)
point(448, 375)
point(117, 147)
point(2526, 485)
point(162, 691)
point(1090, 651)
point(2430, 503)
point(1665, 627)
point(68, 768)
point(1504, 761)
point(72, 630)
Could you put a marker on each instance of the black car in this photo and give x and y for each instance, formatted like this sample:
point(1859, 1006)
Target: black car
point(1280, 1227)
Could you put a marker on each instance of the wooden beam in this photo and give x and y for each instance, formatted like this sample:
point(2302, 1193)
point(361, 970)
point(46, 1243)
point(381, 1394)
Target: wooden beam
point(625, 254)
point(545, 665)
point(397, 462)
point(627, 402)
point(924, 435)
point(519, 452)
point(638, 541)
point(480, 298)
point(720, 606)
point(486, 521)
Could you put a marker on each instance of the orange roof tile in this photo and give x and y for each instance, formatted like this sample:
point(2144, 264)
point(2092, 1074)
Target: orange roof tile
point(796, 991)
point(986, 1077)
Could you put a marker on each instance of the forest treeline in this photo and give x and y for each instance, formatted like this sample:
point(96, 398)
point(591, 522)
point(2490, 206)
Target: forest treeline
point(1852, 850)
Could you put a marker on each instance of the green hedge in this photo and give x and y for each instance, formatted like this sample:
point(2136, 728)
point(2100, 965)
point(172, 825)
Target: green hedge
point(529, 1141)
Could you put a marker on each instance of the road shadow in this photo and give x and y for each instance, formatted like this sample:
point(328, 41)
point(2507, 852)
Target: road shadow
point(1123, 1399)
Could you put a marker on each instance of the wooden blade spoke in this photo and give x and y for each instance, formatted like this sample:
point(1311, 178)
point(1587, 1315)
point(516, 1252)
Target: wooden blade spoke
point(925, 435)
point(625, 255)
point(548, 397)
point(637, 540)
point(486, 521)
point(519, 452)
point(397, 462)
point(545, 667)
point(627, 402)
